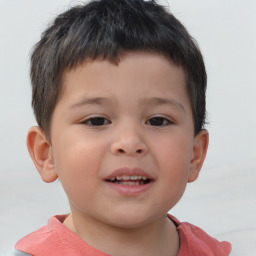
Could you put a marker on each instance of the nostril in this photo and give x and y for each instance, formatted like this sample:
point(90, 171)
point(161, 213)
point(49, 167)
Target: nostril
point(139, 151)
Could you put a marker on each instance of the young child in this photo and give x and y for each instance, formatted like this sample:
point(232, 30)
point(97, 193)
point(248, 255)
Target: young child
point(119, 97)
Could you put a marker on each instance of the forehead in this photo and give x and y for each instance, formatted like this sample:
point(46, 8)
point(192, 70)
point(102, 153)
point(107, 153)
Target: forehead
point(136, 64)
point(140, 74)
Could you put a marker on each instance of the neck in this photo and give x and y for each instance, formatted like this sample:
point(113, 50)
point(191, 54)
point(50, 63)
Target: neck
point(157, 238)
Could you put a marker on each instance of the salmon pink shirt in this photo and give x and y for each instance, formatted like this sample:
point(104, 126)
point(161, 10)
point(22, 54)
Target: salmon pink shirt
point(56, 240)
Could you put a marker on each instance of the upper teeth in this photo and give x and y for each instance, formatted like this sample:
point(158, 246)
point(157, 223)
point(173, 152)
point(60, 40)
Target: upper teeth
point(126, 177)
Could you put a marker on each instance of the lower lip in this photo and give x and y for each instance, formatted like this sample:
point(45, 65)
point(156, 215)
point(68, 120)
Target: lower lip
point(130, 190)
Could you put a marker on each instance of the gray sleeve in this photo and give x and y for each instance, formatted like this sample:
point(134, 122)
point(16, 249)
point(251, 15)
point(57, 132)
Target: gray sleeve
point(18, 253)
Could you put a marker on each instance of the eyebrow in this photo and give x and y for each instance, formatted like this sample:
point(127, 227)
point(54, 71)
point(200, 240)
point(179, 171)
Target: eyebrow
point(146, 101)
point(89, 101)
point(164, 101)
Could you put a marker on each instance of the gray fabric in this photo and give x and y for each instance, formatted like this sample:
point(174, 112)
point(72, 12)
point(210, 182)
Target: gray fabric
point(19, 253)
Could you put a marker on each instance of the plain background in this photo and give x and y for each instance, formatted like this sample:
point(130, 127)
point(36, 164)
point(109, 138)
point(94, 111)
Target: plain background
point(226, 33)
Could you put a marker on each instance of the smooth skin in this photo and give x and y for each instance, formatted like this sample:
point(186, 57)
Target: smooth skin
point(135, 115)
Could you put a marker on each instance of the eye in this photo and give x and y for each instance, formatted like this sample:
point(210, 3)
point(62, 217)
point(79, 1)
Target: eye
point(96, 121)
point(158, 121)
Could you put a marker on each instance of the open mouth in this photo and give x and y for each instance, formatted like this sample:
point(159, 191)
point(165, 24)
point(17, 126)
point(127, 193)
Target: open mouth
point(133, 180)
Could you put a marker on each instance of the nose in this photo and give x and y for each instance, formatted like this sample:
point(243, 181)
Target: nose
point(129, 142)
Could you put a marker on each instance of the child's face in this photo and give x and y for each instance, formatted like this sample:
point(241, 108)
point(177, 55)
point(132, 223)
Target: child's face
point(112, 121)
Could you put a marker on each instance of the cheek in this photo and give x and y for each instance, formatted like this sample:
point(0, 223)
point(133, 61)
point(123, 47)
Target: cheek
point(78, 176)
point(175, 150)
point(76, 152)
point(173, 159)
point(78, 164)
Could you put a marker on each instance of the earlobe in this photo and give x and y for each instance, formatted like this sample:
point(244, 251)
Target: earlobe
point(199, 152)
point(40, 151)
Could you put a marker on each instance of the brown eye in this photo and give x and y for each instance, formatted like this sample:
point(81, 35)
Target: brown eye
point(158, 121)
point(96, 121)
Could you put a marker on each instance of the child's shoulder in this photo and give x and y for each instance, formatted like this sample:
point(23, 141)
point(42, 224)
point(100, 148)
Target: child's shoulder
point(41, 239)
point(195, 241)
point(55, 239)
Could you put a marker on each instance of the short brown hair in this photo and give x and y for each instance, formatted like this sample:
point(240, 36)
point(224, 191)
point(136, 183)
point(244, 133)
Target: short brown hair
point(104, 29)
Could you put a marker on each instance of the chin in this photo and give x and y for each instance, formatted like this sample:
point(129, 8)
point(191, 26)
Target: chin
point(132, 219)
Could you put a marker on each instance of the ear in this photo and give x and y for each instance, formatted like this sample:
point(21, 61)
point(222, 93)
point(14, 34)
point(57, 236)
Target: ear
point(200, 146)
point(40, 151)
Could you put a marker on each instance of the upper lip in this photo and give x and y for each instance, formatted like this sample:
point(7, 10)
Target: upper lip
point(125, 171)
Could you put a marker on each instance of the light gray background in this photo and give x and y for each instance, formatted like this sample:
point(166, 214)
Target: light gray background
point(222, 200)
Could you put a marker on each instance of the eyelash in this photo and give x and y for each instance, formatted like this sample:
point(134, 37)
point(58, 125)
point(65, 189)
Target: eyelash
point(101, 121)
